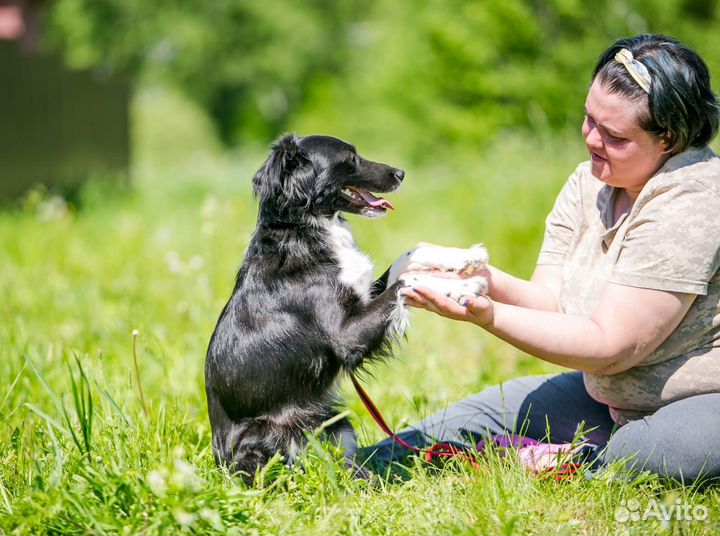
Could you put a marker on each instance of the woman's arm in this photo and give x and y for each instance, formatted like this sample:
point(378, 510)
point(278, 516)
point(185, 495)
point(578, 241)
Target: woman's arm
point(628, 324)
point(541, 292)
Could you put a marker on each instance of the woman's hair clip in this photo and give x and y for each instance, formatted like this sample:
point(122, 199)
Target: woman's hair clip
point(636, 69)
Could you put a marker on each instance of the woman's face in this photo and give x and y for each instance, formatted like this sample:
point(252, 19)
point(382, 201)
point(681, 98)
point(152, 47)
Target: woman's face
point(623, 154)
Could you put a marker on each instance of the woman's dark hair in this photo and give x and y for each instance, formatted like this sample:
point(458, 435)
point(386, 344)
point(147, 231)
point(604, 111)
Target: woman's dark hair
point(681, 106)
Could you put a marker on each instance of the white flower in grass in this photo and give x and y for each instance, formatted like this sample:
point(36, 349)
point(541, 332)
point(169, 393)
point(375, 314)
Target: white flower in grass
point(196, 262)
point(183, 518)
point(209, 207)
point(175, 265)
point(184, 476)
point(156, 482)
point(212, 517)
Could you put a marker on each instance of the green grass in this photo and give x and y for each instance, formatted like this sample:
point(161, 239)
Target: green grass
point(78, 454)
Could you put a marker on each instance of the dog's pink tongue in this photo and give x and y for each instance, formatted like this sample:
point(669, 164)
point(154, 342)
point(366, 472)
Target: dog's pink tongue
point(373, 201)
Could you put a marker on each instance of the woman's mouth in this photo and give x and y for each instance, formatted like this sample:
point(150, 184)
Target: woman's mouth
point(597, 158)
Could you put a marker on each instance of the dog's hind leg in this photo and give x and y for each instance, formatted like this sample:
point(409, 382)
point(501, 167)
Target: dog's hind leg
point(244, 449)
point(243, 446)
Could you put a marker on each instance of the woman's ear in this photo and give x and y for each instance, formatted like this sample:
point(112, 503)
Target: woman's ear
point(665, 140)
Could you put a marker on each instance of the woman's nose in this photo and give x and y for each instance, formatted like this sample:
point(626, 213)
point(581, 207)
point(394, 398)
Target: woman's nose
point(592, 136)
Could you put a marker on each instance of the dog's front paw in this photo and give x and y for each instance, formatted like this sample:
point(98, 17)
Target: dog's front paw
point(473, 259)
point(473, 286)
point(454, 288)
point(428, 258)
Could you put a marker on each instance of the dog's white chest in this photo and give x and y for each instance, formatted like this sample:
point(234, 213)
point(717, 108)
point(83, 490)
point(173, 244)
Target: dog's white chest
point(356, 268)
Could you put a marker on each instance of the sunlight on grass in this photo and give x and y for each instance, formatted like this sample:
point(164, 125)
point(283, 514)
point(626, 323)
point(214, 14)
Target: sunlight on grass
point(77, 453)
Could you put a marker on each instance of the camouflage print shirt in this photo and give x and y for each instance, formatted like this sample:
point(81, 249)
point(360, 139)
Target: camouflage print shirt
point(669, 240)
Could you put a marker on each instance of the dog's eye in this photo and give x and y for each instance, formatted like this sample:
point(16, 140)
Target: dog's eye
point(356, 159)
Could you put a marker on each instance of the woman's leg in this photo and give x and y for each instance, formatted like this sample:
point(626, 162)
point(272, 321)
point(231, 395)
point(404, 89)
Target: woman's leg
point(680, 441)
point(531, 406)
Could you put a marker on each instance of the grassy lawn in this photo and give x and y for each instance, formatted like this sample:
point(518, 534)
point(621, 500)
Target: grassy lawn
point(78, 452)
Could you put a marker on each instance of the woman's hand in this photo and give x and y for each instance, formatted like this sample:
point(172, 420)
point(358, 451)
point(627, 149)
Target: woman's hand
point(478, 310)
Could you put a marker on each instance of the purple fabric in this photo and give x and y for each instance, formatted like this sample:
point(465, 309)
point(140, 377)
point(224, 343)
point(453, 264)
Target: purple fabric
point(507, 441)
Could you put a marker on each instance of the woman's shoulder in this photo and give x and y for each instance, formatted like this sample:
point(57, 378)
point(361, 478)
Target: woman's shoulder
point(689, 183)
point(694, 169)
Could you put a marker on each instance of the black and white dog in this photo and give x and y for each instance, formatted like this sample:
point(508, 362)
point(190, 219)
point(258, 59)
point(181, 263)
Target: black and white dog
point(305, 308)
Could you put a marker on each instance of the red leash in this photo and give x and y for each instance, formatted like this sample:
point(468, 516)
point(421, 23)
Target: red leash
point(437, 450)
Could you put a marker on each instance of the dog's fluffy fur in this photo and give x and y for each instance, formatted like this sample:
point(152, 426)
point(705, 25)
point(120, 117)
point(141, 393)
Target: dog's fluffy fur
point(304, 308)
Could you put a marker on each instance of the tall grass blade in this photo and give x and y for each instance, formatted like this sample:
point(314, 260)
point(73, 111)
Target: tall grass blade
point(12, 387)
point(40, 413)
point(5, 498)
point(43, 382)
point(83, 401)
point(137, 375)
point(118, 411)
point(56, 474)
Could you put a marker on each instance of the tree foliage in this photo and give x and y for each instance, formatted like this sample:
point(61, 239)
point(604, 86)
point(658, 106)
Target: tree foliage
point(409, 75)
point(247, 63)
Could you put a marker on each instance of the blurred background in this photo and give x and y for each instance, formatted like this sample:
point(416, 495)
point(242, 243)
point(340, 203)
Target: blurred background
point(98, 86)
point(130, 130)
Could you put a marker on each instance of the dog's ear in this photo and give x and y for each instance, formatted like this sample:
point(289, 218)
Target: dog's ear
point(285, 158)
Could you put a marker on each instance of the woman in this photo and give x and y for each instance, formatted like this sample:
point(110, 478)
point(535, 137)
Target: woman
point(626, 290)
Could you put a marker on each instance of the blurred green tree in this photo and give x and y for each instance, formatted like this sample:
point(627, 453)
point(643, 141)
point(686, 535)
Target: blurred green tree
point(247, 63)
point(457, 73)
point(403, 75)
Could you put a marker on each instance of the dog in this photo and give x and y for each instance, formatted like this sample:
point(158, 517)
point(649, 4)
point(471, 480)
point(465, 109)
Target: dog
point(305, 308)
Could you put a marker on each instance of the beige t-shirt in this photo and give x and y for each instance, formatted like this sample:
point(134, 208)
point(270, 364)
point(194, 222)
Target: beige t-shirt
point(669, 240)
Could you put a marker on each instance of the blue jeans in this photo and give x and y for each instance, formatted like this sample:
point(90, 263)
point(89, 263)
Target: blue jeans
point(679, 441)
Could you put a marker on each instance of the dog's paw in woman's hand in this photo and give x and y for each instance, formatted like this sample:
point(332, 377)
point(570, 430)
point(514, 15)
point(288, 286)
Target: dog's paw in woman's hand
point(454, 288)
point(431, 258)
point(479, 310)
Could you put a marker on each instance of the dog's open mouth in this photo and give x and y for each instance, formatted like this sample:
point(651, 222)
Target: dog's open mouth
point(366, 199)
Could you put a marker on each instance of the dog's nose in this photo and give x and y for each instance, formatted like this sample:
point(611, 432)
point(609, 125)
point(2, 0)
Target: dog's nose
point(399, 174)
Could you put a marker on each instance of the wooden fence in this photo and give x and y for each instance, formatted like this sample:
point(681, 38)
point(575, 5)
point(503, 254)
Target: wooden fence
point(58, 127)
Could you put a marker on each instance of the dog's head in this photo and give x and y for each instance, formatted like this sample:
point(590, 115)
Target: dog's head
point(319, 176)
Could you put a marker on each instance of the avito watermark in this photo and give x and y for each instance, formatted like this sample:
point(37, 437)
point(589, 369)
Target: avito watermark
point(632, 510)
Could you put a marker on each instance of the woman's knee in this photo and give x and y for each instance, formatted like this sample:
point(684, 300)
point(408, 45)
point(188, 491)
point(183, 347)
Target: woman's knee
point(678, 441)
